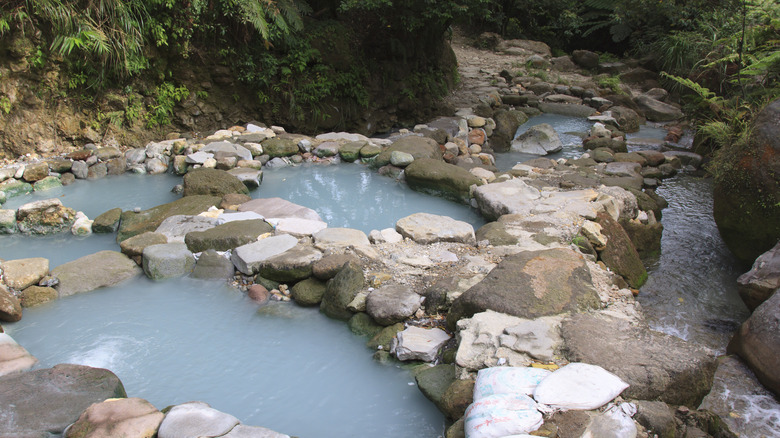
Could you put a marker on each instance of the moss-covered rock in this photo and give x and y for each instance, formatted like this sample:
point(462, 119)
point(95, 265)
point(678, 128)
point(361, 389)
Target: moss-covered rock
point(280, 147)
point(362, 324)
point(227, 236)
point(437, 178)
point(212, 182)
point(620, 255)
point(133, 223)
point(308, 292)
point(107, 222)
point(417, 147)
point(341, 290)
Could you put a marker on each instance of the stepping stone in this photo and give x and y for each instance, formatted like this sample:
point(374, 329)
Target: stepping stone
point(22, 273)
point(339, 238)
point(167, 260)
point(249, 258)
point(102, 269)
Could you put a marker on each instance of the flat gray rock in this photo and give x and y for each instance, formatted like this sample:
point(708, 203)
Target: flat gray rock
point(250, 177)
point(336, 238)
point(428, 228)
point(299, 227)
point(50, 399)
point(279, 208)
point(167, 260)
point(227, 149)
point(102, 269)
point(249, 258)
point(21, 273)
point(195, 419)
point(176, 228)
point(657, 111)
point(416, 343)
point(538, 140)
point(392, 303)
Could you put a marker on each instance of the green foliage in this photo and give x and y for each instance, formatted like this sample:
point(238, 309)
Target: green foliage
point(611, 83)
point(166, 96)
point(5, 104)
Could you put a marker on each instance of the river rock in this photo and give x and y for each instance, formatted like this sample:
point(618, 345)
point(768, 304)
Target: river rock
point(513, 196)
point(12, 187)
point(585, 59)
point(222, 149)
point(495, 234)
point(417, 147)
point(417, 343)
point(539, 140)
point(736, 389)
point(10, 308)
point(251, 178)
point(620, 255)
point(36, 295)
point(434, 382)
point(167, 260)
point(657, 111)
point(437, 178)
point(47, 216)
point(566, 109)
point(654, 364)
point(426, 228)
point(280, 147)
point(612, 144)
point(299, 227)
point(176, 227)
point(134, 246)
point(195, 419)
point(330, 265)
point(758, 342)
point(351, 151)
point(22, 273)
point(763, 279)
point(7, 221)
point(102, 269)
point(99, 171)
point(341, 290)
point(279, 208)
point(529, 285)
point(48, 400)
point(211, 265)
point(340, 238)
point(386, 235)
point(627, 119)
point(133, 224)
point(13, 357)
point(227, 236)
point(80, 169)
point(308, 292)
point(35, 172)
point(390, 304)
point(292, 265)
point(121, 417)
point(489, 339)
point(82, 226)
point(116, 166)
point(249, 258)
point(47, 183)
point(243, 431)
point(212, 182)
point(107, 222)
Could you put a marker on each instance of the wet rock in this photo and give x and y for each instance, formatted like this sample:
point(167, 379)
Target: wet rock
point(251, 178)
point(12, 187)
point(167, 260)
point(457, 398)
point(231, 201)
point(437, 178)
point(539, 140)
point(385, 337)
point(308, 292)
point(434, 382)
point(416, 343)
point(361, 324)
point(134, 246)
point(392, 303)
point(123, 417)
point(258, 293)
point(657, 111)
point(36, 295)
point(341, 290)
point(279, 208)
point(530, 284)
point(763, 279)
point(330, 265)
point(195, 419)
point(22, 273)
point(417, 147)
point(47, 183)
point(645, 237)
point(426, 228)
point(13, 357)
point(133, 224)
point(176, 227)
point(655, 365)
point(10, 308)
point(292, 265)
point(249, 258)
point(507, 122)
point(8, 221)
point(48, 400)
point(620, 255)
point(107, 222)
point(227, 236)
point(116, 166)
point(627, 119)
point(102, 269)
point(351, 151)
point(211, 265)
point(567, 109)
point(98, 171)
point(211, 182)
point(757, 342)
point(47, 216)
point(609, 143)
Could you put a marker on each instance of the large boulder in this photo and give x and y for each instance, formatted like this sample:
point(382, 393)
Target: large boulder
point(747, 195)
point(654, 364)
point(47, 216)
point(341, 290)
point(763, 279)
point(417, 147)
point(530, 284)
point(48, 400)
point(250, 258)
point(657, 111)
point(758, 342)
point(211, 265)
point(280, 147)
point(620, 255)
point(196, 419)
point(428, 228)
point(102, 269)
point(507, 122)
point(390, 304)
point(438, 178)
point(167, 260)
point(133, 223)
point(107, 222)
point(227, 236)
point(539, 140)
point(22, 273)
point(121, 417)
point(212, 182)
point(434, 381)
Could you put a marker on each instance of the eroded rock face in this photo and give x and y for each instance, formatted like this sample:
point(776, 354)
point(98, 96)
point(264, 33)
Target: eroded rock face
point(655, 365)
point(48, 400)
point(530, 284)
point(758, 343)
